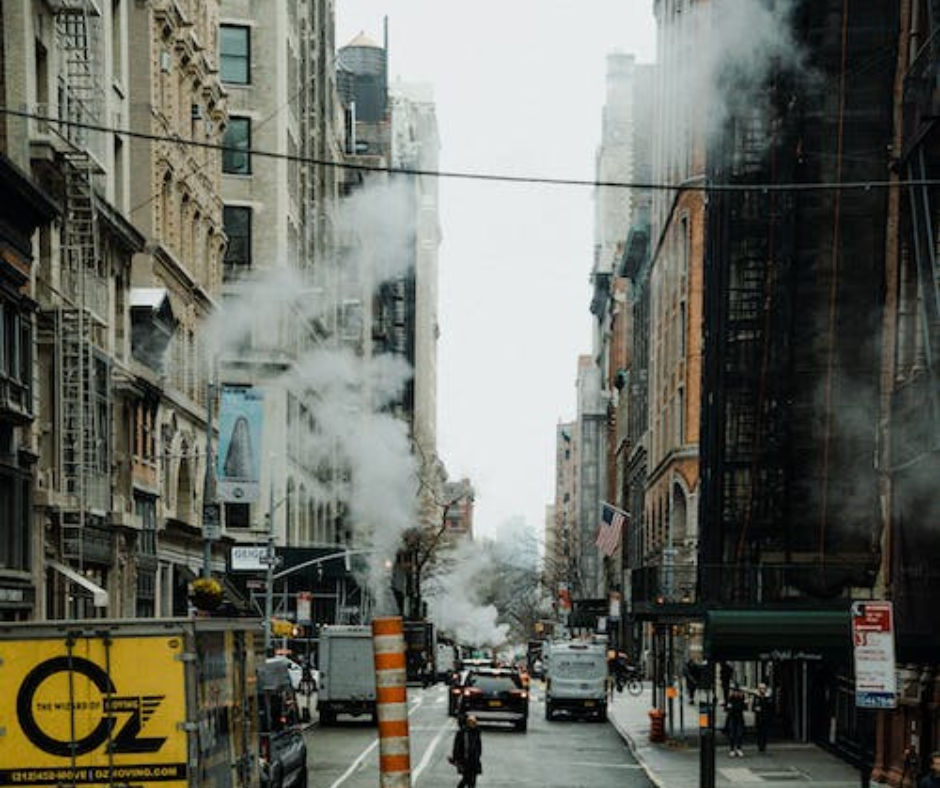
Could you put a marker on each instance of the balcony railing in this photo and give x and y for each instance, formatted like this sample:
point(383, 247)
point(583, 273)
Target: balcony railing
point(766, 584)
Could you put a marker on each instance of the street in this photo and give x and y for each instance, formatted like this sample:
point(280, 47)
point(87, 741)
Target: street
point(562, 753)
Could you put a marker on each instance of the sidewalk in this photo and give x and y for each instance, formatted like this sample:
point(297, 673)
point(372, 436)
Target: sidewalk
point(675, 763)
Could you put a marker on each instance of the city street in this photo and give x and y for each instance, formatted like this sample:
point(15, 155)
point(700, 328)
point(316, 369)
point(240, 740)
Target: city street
point(562, 753)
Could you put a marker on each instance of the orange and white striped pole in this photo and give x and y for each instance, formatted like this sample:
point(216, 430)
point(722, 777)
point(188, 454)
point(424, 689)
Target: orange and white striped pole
point(391, 697)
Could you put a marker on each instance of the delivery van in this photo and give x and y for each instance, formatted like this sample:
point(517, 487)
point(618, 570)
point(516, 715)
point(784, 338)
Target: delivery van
point(576, 679)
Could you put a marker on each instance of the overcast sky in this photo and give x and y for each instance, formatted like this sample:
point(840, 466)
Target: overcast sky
point(519, 89)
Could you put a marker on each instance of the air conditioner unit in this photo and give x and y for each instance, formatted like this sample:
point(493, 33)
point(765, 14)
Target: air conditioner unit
point(166, 62)
point(196, 111)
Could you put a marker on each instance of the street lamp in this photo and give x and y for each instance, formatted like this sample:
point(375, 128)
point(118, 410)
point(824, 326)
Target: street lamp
point(270, 561)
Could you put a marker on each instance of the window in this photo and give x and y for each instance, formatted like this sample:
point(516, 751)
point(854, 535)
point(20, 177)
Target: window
point(237, 515)
point(235, 54)
point(236, 160)
point(238, 229)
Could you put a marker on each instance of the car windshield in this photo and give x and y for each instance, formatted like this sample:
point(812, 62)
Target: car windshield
point(494, 684)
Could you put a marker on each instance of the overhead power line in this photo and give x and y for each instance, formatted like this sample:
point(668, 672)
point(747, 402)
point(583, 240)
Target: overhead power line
point(698, 185)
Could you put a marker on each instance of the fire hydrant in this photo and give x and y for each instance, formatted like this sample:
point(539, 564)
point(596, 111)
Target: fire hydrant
point(657, 725)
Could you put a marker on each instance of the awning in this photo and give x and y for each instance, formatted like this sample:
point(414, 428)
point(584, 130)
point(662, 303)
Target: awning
point(777, 634)
point(98, 595)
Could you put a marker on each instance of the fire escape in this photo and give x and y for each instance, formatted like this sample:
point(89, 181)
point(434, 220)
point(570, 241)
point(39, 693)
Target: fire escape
point(919, 167)
point(76, 315)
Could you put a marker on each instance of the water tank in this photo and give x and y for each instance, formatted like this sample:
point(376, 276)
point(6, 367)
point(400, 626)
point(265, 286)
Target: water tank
point(366, 67)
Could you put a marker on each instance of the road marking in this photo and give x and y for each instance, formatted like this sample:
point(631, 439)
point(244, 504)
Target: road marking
point(415, 704)
point(628, 766)
point(428, 754)
point(355, 764)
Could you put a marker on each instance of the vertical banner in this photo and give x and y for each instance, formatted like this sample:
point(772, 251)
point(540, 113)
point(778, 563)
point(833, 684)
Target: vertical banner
point(873, 641)
point(238, 473)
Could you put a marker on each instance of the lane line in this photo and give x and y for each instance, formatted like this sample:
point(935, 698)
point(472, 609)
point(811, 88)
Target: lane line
point(429, 753)
point(355, 764)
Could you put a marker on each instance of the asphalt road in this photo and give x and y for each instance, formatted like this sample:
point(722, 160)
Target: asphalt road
point(560, 754)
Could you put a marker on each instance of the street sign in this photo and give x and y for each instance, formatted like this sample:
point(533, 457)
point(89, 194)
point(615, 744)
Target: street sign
point(211, 521)
point(873, 642)
point(249, 558)
point(304, 600)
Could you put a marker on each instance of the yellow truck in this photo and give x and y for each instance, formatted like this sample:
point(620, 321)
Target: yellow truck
point(166, 703)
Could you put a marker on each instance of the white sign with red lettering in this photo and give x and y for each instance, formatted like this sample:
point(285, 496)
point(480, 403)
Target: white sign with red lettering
point(873, 641)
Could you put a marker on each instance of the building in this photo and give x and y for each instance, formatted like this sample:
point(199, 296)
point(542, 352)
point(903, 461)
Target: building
point(909, 423)
point(19, 585)
point(278, 68)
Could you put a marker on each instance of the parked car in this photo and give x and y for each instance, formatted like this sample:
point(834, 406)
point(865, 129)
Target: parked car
point(283, 750)
point(495, 695)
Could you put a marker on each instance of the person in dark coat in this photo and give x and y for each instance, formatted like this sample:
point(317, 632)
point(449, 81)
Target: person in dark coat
point(467, 752)
point(735, 707)
point(690, 672)
point(932, 778)
point(763, 708)
point(725, 674)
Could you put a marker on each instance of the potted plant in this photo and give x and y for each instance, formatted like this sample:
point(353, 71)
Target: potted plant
point(206, 593)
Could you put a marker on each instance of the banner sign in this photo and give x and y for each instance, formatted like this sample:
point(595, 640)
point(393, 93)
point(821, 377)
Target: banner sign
point(249, 558)
point(238, 471)
point(873, 641)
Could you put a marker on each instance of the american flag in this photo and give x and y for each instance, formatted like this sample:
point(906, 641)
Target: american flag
point(608, 535)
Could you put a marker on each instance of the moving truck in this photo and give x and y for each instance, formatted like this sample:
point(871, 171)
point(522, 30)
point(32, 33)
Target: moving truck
point(576, 679)
point(165, 703)
point(347, 672)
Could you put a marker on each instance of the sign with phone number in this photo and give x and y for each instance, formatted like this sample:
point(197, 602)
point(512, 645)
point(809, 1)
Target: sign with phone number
point(873, 643)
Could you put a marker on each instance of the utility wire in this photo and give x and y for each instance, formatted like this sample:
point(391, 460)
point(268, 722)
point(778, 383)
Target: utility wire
point(698, 186)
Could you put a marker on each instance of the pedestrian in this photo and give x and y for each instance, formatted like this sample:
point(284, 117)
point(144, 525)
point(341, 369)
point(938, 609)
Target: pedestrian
point(735, 707)
point(690, 674)
point(932, 778)
point(763, 708)
point(467, 752)
point(725, 674)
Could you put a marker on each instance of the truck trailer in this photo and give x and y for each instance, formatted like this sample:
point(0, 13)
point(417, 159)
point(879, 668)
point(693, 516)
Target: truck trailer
point(347, 672)
point(164, 703)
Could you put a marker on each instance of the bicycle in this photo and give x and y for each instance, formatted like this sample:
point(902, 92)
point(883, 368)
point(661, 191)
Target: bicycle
point(631, 679)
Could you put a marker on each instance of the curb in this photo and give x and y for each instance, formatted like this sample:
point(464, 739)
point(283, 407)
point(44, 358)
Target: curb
point(635, 752)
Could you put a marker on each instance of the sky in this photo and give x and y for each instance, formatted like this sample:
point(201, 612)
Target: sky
point(519, 90)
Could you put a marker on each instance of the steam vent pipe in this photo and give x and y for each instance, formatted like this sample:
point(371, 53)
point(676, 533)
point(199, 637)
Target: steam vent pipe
point(391, 696)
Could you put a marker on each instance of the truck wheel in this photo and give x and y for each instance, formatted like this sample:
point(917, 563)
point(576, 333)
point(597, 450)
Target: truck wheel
point(549, 711)
point(327, 717)
point(522, 725)
point(602, 715)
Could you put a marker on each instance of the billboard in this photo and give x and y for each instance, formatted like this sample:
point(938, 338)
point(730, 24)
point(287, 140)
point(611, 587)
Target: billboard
point(238, 469)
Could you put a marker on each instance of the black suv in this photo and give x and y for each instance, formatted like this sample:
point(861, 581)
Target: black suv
point(283, 750)
point(495, 695)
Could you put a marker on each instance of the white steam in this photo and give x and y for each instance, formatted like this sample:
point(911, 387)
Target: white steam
point(731, 49)
point(455, 596)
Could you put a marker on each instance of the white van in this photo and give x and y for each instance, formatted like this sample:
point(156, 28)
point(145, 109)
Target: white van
point(576, 679)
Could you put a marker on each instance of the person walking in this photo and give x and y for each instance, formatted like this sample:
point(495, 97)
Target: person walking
point(690, 674)
point(467, 752)
point(932, 778)
point(725, 674)
point(763, 708)
point(735, 707)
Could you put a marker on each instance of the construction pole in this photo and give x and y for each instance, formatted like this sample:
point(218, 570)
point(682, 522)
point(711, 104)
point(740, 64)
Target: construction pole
point(270, 562)
point(391, 701)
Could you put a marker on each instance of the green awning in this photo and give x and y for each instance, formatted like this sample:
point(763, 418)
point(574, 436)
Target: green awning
point(777, 634)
